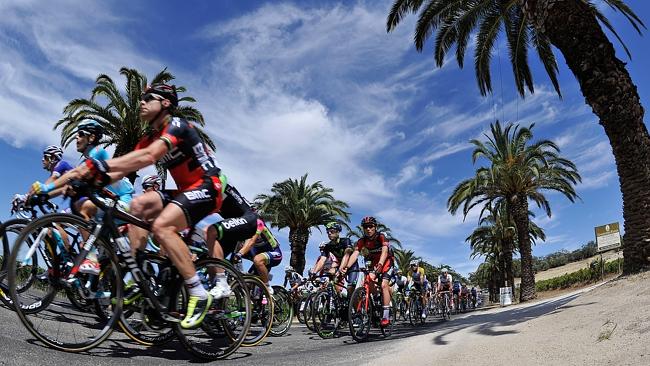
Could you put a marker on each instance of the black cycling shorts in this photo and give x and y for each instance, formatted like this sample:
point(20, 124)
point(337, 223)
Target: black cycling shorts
point(199, 200)
point(232, 230)
point(234, 204)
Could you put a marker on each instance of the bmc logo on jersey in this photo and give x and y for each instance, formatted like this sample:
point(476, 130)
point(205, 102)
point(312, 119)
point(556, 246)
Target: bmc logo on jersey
point(197, 195)
point(234, 222)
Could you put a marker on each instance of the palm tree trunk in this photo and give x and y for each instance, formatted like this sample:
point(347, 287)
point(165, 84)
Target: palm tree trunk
point(298, 238)
point(609, 90)
point(519, 207)
point(509, 274)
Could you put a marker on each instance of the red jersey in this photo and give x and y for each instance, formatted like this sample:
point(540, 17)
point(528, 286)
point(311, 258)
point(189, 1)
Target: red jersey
point(187, 159)
point(374, 247)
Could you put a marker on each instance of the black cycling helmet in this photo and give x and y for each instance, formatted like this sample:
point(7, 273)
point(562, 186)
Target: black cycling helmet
point(91, 127)
point(166, 91)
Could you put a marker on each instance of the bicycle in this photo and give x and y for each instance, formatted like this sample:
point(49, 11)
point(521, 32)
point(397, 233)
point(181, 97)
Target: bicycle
point(401, 306)
point(365, 309)
point(330, 308)
point(165, 296)
point(282, 312)
point(415, 307)
point(444, 305)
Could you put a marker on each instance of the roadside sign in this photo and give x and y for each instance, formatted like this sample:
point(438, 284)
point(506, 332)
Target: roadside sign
point(505, 297)
point(608, 237)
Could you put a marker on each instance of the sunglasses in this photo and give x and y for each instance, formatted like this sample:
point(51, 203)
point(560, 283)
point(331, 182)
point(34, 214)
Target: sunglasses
point(83, 133)
point(148, 97)
point(368, 226)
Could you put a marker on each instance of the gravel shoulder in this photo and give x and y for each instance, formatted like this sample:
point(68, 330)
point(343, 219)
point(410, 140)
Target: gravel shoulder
point(603, 324)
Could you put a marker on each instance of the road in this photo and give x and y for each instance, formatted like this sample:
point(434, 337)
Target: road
point(298, 347)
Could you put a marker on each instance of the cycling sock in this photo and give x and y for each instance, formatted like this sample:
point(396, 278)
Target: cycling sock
point(386, 312)
point(195, 287)
point(220, 279)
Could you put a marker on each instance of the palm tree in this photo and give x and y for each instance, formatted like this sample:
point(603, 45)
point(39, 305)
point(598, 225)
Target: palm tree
point(519, 172)
point(497, 236)
point(573, 27)
point(357, 233)
point(120, 116)
point(404, 258)
point(300, 207)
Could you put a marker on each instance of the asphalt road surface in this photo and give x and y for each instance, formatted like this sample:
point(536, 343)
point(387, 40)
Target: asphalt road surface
point(298, 347)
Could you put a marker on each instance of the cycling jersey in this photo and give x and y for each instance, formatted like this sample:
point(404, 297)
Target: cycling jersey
point(232, 230)
point(234, 204)
point(60, 168)
point(195, 173)
point(374, 247)
point(293, 279)
point(336, 248)
point(416, 276)
point(267, 245)
point(187, 159)
point(445, 280)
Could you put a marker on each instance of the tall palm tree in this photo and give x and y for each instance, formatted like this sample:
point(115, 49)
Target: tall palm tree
point(574, 28)
point(357, 233)
point(118, 111)
point(404, 258)
point(299, 206)
point(497, 235)
point(519, 171)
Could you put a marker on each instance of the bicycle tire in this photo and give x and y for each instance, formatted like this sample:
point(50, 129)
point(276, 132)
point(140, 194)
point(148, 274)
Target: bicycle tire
point(328, 317)
point(257, 335)
point(74, 341)
point(282, 312)
point(359, 316)
point(308, 311)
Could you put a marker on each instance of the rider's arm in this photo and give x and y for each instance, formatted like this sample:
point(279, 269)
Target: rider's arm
point(346, 257)
point(249, 244)
point(319, 264)
point(353, 258)
point(125, 164)
point(384, 255)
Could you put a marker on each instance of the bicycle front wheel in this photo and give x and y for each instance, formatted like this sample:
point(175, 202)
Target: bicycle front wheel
point(359, 315)
point(44, 307)
point(282, 311)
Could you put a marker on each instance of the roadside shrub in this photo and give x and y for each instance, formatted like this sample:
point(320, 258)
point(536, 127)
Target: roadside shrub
point(585, 275)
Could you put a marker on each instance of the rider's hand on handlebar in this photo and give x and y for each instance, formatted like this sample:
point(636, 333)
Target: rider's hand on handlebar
point(236, 258)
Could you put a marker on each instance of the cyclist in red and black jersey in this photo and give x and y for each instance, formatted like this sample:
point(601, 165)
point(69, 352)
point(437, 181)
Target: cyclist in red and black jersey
point(177, 146)
point(380, 258)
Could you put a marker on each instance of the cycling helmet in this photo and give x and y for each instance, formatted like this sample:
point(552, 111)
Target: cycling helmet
point(53, 152)
point(414, 263)
point(92, 128)
point(289, 269)
point(150, 180)
point(334, 225)
point(166, 91)
point(445, 269)
point(368, 220)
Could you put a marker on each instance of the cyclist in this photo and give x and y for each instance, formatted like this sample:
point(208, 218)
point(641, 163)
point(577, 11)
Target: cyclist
point(263, 250)
point(456, 292)
point(444, 283)
point(293, 278)
point(473, 294)
point(338, 250)
point(176, 144)
point(88, 136)
point(416, 280)
point(400, 281)
point(464, 294)
point(380, 258)
point(53, 162)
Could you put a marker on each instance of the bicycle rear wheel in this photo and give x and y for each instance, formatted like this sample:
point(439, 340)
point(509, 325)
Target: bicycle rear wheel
point(308, 313)
point(44, 308)
point(9, 230)
point(282, 311)
point(327, 314)
point(359, 315)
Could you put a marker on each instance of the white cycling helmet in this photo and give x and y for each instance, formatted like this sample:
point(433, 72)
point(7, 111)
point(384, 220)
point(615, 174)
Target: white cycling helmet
point(150, 180)
point(54, 152)
point(289, 269)
point(414, 262)
point(445, 270)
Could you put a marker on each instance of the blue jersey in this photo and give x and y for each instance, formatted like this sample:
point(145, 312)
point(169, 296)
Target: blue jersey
point(60, 168)
point(123, 187)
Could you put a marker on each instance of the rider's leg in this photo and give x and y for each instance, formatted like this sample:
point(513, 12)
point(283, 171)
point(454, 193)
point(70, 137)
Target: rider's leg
point(146, 207)
point(260, 261)
point(385, 291)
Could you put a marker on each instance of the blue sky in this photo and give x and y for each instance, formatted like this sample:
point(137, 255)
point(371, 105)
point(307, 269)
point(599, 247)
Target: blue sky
point(310, 86)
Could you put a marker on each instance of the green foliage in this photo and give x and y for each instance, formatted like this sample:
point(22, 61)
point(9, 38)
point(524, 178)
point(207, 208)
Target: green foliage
point(558, 258)
point(296, 204)
point(585, 275)
point(454, 22)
